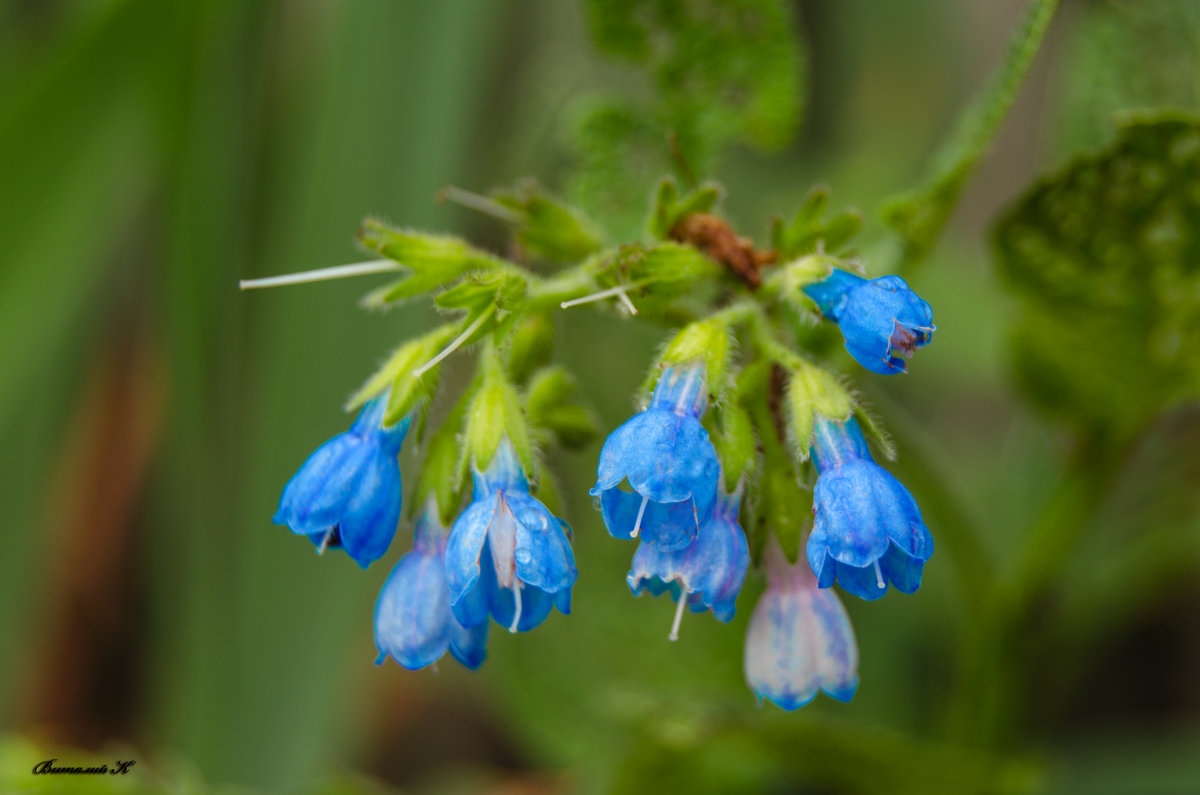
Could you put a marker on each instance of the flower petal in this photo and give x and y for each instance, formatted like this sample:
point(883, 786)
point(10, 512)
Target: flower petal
point(543, 555)
point(669, 526)
point(412, 614)
point(464, 548)
point(372, 514)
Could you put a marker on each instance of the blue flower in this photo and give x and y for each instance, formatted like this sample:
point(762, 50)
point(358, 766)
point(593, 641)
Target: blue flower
point(413, 622)
point(667, 458)
point(868, 531)
point(799, 640)
point(347, 494)
point(507, 554)
point(710, 571)
point(877, 317)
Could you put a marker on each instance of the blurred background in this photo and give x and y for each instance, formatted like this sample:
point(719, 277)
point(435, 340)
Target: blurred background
point(152, 154)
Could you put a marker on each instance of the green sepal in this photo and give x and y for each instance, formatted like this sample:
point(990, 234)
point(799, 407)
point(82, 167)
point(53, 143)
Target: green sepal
point(787, 507)
point(443, 469)
point(668, 269)
point(777, 503)
point(709, 340)
point(504, 287)
point(873, 429)
point(733, 438)
point(809, 233)
point(530, 346)
point(431, 260)
point(812, 390)
point(550, 400)
point(397, 372)
point(789, 280)
point(496, 413)
point(669, 209)
point(547, 227)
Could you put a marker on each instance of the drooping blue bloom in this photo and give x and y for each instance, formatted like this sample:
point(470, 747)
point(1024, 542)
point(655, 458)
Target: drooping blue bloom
point(507, 554)
point(799, 640)
point(347, 494)
point(709, 572)
point(878, 317)
point(868, 531)
point(413, 621)
point(666, 456)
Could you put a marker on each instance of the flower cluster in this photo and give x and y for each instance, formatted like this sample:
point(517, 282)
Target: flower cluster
point(691, 542)
point(711, 478)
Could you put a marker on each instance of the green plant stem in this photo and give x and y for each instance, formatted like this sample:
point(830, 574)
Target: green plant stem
point(993, 646)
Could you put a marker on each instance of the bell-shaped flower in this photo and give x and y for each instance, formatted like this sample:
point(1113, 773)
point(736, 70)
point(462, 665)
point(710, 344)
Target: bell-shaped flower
point(878, 318)
point(705, 575)
point(347, 494)
point(799, 639)
point(668, 460)
point(413, 621)
point(868, 531)
point(507, 554)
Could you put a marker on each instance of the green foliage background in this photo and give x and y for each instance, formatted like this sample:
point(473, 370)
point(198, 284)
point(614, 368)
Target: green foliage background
point(152, 154)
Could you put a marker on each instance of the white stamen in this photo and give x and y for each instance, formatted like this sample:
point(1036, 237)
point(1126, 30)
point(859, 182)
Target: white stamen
point(516, 589)
point(453, 346)
point(678, 615)
point(619, 290)
point(478, 203)
point(325, 542)
point(637, 523)
point(434, 668)
point(321, 274)
point(624, 299)
point(878, 574)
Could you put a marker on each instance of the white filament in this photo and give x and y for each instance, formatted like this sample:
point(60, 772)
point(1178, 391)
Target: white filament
point(619, 291)
point(878, 574)
point(637, 523)
point(678, 616)
point(516, 589)
point(452, 347)
point(479, 203)
point(321, 274)
point(325, 542)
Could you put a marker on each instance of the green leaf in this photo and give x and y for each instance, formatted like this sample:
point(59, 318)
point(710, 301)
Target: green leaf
point(548, 228)
point(1106, 256)
point(431, 260)
point(919, 216)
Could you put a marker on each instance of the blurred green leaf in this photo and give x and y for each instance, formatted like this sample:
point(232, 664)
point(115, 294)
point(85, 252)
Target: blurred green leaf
point(670, 208)
point(550, 401)
point(1106, 257)
point(919, 216)
point(719, 72)
point(810, 233)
